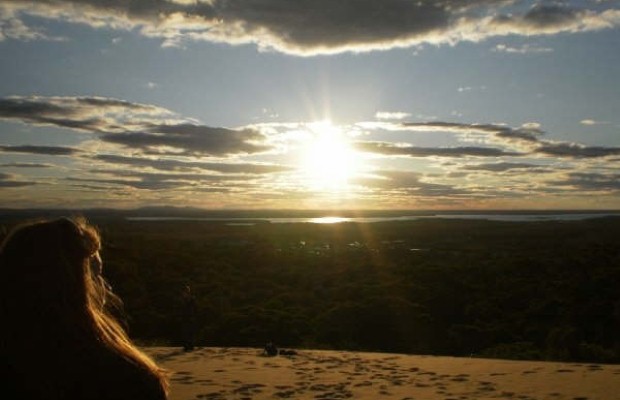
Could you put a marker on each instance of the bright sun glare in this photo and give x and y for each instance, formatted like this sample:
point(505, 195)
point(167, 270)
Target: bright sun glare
point(328, 160)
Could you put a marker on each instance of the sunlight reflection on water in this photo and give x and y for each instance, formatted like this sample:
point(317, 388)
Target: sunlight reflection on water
point(328, 220)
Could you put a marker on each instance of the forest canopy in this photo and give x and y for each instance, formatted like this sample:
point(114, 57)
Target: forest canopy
point(522, 290)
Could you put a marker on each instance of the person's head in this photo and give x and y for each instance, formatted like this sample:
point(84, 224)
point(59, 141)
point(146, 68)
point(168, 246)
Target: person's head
point(53, 296)
point(52, 270)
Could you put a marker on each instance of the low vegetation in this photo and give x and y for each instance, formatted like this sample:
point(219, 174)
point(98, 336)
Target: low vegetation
point(523, 290)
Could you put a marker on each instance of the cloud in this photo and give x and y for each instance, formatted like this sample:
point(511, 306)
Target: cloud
point(529, 132)
point(528, 139)
point(159, 181)
point(11, 27)
point(136, 184)
point(576, 150)
point(176, 165)
point(591, 182)
point(391, 115)
point(26, 165)
point(391, 149)
point(505, 166)
point(192, 139)
point(321, 26)
point(138, 126)
point(411, 182)
point(44, 150)
point(524, 49)
point(9, 181)
point(526, 134)
point(549, 19)
point(89, 114)
point(590, 122)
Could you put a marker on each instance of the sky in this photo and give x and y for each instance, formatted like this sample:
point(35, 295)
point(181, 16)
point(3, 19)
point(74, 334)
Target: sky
point(310, 104)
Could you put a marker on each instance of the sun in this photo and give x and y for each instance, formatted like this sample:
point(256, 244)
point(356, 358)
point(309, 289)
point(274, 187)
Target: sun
point(328, 161)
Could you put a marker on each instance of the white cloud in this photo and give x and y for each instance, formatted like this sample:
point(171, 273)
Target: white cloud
point(524, 49)
point(391, 115)
point(590, 122)
point(12, 27)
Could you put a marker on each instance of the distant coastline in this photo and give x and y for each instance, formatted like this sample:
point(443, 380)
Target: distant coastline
point(244, 217)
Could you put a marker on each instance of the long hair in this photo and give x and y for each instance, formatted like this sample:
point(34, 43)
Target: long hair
point(53, 296)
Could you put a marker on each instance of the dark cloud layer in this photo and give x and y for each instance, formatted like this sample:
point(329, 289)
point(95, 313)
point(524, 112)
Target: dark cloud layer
point(309, 27)
point(158, 181)
point(176, 165)
point(192, 139)
point(90, 114)
point(26, 165)
point(391, 149)
point(133, 125)
point(529, 138)
point(505, 166)
point(576, 150)
point(43, 150)
point(526, 133)
point(590, 182)
point(10, 181)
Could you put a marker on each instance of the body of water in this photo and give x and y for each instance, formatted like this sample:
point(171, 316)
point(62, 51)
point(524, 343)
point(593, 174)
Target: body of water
point(336, 219)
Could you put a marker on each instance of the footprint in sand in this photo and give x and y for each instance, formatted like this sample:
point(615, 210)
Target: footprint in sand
point(183, 377)
point(248, 390)
point(212, 396)
point(285, 394)
point(486, 386)
point(427, 373)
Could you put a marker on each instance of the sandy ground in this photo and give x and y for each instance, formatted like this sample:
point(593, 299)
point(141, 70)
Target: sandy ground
point(243, 373)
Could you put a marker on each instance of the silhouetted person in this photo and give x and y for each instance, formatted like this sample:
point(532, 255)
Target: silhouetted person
point(58, 339)
point(188, 319)
point(270, 350)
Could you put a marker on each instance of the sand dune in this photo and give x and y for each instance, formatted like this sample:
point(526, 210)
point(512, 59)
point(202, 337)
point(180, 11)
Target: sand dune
point(243, 373)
